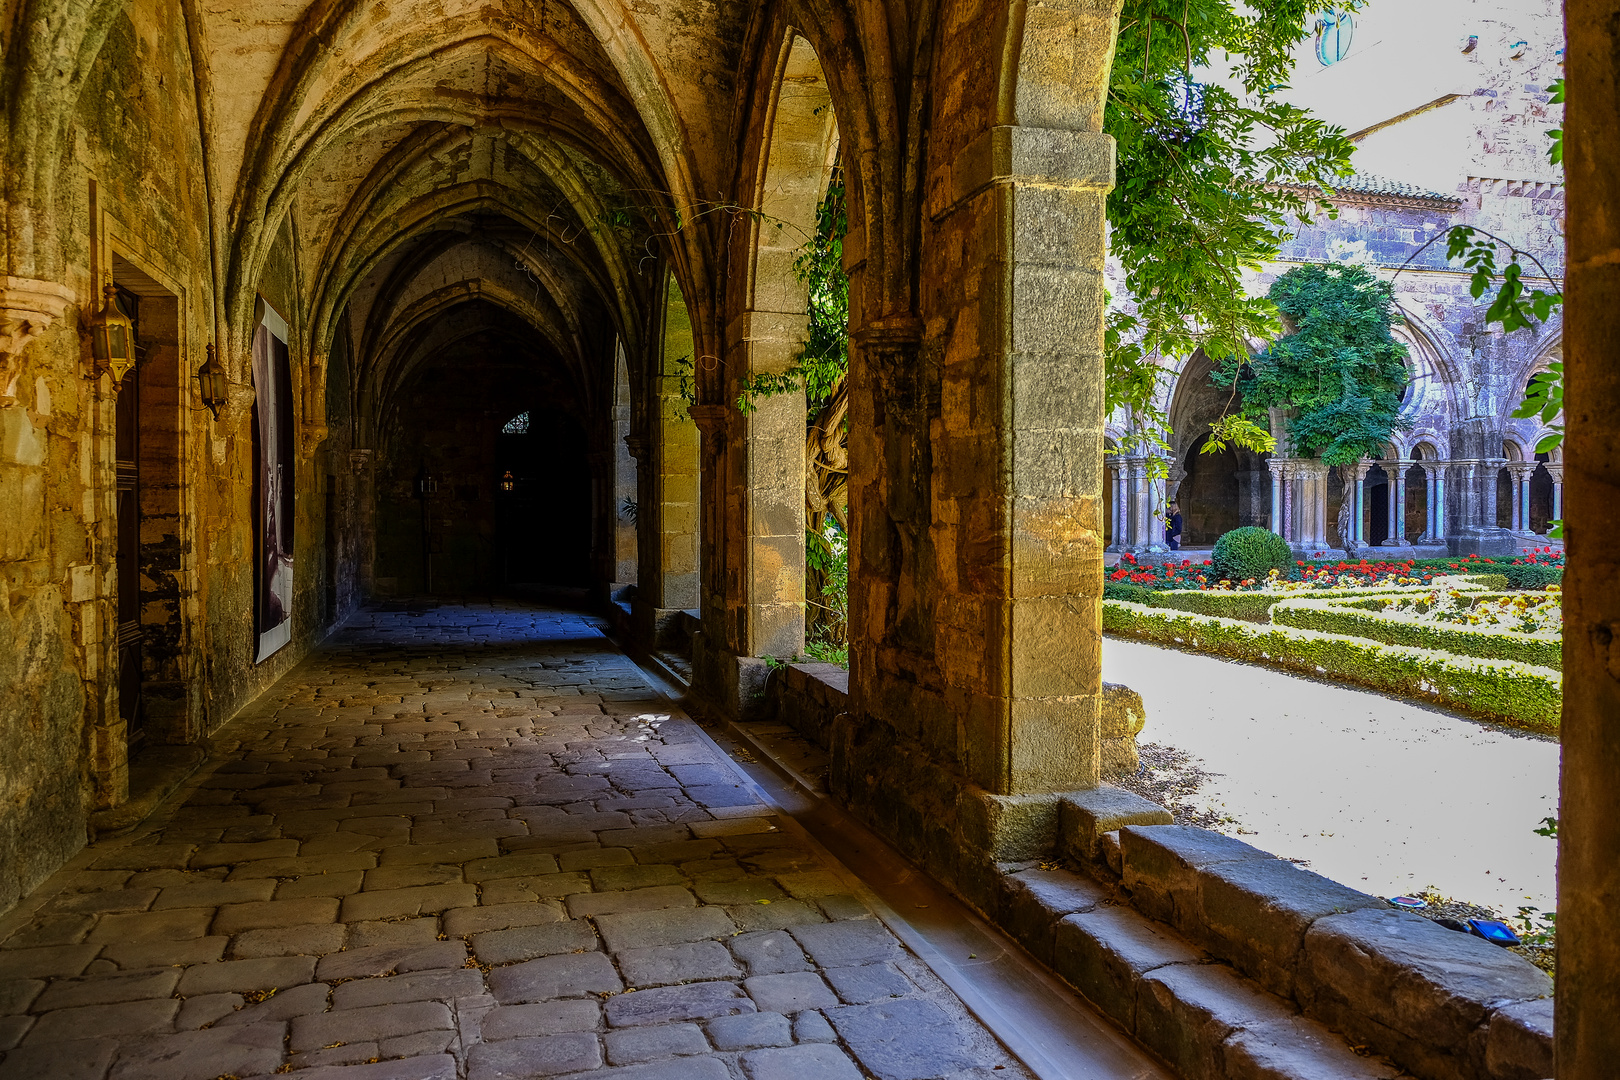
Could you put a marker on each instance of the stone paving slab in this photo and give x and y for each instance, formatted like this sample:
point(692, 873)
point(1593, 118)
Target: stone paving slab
point(467, 842)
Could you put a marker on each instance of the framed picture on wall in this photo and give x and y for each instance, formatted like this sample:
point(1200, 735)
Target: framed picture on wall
point(272, 483)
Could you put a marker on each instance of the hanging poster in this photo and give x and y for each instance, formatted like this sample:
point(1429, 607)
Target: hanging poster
point(272, 482)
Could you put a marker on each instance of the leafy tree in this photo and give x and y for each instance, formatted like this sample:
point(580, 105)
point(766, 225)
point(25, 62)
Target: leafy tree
point(1338, 372)
point(1209, 177)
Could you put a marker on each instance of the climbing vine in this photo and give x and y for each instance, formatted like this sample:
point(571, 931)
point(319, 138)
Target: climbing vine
point(1338, 371)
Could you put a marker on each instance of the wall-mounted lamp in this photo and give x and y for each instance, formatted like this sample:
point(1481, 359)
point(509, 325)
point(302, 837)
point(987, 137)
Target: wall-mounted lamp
point(112, 340)
point(214, 385)
point(427, 485)
point(1519, 49)
point(507, 483)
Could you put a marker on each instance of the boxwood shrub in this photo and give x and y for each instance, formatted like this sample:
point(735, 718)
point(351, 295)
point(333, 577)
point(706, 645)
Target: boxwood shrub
point(1251, 552)
point(1504, 691)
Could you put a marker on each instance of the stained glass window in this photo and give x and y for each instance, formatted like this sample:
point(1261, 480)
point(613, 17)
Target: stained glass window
point(518, 425)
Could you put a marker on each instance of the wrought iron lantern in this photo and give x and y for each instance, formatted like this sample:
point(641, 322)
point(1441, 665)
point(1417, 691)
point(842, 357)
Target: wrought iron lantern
point(112, 340)
point(212, 382)
point(507, 483)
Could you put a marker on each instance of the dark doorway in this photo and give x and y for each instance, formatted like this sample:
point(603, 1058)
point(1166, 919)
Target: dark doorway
point(1209, 494)
point(147, 451)
point(127, 463)
point(543, 523)
point(1375, 496)
point(1504, 499)
point(1541, 497)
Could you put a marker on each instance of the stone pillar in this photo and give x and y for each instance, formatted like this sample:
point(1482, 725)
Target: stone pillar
point(1521, 471)
point(667, 471)
point(1358, 527)
point(1116, 503)
point(1277, 525)
point(1428, 503)
point(1557, 472)
point(1588, 985)
point(1145, 518)
point(1440, 522)
point(1400, 501)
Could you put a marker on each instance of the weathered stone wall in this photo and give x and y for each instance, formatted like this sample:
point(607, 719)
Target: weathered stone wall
point(131, 202)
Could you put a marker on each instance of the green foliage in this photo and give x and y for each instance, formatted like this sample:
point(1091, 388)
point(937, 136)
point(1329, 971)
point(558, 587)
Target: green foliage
point(826, 555)
point(1249, 553)
point(1514, 308)
point(1457, 640)
point(1338, 371)
point(1549, 827)
point(1207, 180)
point(1501, 690)
point(1555, 152)
point(821, 367)
point(1119, 590)
point(1531, 575)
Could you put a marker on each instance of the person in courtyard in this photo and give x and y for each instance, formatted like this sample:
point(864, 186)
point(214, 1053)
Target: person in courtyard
point(1172, 527)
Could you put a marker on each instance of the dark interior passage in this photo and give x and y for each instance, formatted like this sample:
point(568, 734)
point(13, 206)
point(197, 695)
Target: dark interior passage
point(485, 481)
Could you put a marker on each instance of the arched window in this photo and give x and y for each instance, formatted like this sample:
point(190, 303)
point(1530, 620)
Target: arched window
point(518, 425)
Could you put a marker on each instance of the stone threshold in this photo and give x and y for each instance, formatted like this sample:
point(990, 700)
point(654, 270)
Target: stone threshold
point(1222, 959)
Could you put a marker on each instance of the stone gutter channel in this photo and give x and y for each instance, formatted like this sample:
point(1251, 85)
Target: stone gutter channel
point(1221, 959)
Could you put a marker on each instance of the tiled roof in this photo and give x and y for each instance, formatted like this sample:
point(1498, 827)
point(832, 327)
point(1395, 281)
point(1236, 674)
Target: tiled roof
point(1374, 186)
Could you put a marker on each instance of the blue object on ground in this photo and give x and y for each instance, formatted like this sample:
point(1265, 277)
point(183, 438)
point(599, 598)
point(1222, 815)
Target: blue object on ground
point(1411, 903)
point(1494, 932)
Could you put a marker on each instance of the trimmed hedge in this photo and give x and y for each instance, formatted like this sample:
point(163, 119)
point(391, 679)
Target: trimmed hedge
point(1335, 618)
point(1504, 691)
point(1531, 575)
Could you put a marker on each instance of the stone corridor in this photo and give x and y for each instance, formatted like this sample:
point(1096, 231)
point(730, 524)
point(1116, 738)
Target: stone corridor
point(468, 841)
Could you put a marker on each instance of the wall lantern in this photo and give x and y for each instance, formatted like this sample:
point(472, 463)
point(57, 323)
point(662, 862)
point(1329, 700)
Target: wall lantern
point(213, 384)
point(507, 483)
point(112, 340)
point(1519, 49)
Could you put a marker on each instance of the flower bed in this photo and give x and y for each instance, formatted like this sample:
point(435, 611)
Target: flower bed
point(1506, 691)
point(1521, 626)
point(1535, 570)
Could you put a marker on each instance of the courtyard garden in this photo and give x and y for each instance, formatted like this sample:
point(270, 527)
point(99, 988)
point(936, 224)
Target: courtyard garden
point(1479, 636)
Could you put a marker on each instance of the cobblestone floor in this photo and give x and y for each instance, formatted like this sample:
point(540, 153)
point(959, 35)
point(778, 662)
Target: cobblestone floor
point(468, 841)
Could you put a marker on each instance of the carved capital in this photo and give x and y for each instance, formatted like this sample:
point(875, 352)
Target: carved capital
point(710, 419)
point(639, 446)
point(27, 309)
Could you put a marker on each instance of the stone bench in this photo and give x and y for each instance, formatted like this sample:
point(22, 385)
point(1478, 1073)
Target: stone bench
point(1306, 954)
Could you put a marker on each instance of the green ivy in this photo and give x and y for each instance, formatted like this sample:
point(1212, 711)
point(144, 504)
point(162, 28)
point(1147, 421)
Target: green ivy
point(1339, 371)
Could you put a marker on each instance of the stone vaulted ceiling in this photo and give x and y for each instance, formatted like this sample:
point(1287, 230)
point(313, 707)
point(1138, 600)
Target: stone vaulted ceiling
point(483, 159)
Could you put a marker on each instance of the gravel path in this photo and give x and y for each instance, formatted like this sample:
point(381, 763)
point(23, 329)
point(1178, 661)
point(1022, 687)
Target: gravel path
point(1383, 795)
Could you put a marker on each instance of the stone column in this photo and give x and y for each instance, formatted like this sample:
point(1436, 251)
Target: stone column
point(667, 470)
point(1398, 484)
point(1428, 503)
point(1277, 525)
point(1440, 522)
point(1557, 472)
point(1588, 987)
point(1522, 473)
point(1313, 524)
point(1146, 530)
point(1358, 528)
point(1117, 504)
